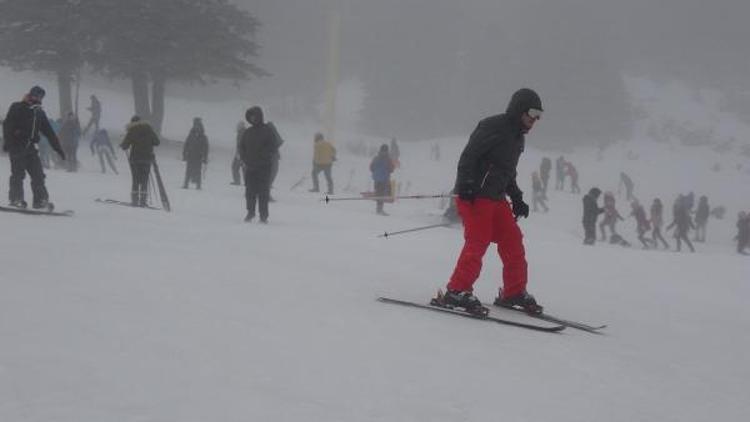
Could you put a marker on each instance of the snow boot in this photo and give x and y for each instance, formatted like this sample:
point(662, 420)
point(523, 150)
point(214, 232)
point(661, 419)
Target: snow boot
point(19, 203)
point(43, 205)
point(523, 301)
point(455, 299)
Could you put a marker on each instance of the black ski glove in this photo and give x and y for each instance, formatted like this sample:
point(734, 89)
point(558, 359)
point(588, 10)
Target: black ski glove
point(520, 208)
point(466, 192)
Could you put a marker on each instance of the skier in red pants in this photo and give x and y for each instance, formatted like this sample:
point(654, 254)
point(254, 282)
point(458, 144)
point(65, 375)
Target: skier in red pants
point(486, 177)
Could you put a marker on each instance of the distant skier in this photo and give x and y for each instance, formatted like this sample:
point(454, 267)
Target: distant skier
point(682, 222)
point(486, 177)
point(96, 113)
point(70, 136)
point(140, 139)
point(324, 154)
point(611, 215)
point(102, 146)
point(237, 161)
point(572, 172)
point(544, 171)
point(560, 173)
point(642, 223)
point(259, 148)
point(538, 196)
point(627, 183)
point(743, 232)
point(701, 219)
point(381, 168)
point(657, 221)
point(591, 212)
point(195, 154)
point(21, 130)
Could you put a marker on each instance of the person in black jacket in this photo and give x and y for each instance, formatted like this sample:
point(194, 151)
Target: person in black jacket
point(544, 169)
point(21, 130)
point(141, 139)
point(258, 150)
point(486, 176)
point(195, 153)
point(591, 212)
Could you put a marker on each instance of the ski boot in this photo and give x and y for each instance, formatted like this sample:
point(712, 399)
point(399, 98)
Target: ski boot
point(466, 300)
point(523, 301)
point(19, 203)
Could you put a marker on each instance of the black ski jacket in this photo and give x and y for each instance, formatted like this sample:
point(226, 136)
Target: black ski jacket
point(22, 126)
point(141, 139)
point(259, 146)
point(590, 209)
point(196, 147)
point(488, 162)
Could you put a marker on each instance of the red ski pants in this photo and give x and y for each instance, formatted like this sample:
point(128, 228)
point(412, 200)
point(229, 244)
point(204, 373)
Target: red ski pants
point(487, 221)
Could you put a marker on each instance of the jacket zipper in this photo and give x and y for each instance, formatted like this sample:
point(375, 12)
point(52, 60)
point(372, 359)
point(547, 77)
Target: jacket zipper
point(484, 179)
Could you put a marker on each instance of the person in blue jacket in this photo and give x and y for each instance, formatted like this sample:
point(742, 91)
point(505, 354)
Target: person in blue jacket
point(381, 168)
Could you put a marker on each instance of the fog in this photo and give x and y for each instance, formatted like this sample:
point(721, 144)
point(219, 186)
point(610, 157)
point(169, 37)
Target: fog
point(434, 67)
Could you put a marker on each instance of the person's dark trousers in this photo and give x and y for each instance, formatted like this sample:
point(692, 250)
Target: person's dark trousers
point(193, 173)
point(656, 234)
point(140, 171)
point(545, 180)
point(381, 189)
point(20, 164)
point(257, 190)
point(590, 233)
point(326, 169)
point(236, 171)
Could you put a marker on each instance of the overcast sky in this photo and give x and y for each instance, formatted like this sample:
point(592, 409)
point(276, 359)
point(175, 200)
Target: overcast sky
point(432, 67)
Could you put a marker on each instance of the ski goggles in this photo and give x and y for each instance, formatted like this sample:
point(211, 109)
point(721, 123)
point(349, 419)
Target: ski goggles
point(534, 113)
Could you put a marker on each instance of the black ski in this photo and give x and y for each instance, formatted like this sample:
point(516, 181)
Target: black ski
point(596, 329)
point(162, 190)
point(123, 203)
point(31, 211)
point(550, 329)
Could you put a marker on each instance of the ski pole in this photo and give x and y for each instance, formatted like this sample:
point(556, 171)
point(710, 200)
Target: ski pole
point(328, 199)
point(387, 234)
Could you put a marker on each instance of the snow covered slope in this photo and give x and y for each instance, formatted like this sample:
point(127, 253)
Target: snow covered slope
point(121, 314)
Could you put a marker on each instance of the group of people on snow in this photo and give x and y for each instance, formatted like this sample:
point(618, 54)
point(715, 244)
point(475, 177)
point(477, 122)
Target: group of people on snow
point(684, 219)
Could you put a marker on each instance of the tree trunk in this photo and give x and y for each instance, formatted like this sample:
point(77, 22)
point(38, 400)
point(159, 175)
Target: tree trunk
point(140, 95)
point(64, 82)
point(158, 90)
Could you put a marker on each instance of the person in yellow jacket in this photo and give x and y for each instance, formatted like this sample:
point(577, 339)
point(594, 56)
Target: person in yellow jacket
point(323, 157)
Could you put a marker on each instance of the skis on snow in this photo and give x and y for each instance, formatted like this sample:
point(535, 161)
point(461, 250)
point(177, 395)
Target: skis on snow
point(123, 203)
point(50, 210)
point(453, 311)
point(596, 329)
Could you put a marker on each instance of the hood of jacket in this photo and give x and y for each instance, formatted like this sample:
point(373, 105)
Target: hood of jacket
point(521, 101)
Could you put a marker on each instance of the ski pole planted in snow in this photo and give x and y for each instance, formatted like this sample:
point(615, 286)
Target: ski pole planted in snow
point(328, 199)
point(387, 234)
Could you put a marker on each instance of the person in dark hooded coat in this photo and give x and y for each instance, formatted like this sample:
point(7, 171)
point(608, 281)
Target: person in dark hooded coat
point(258, 150)
point(591, 212)
point(195, 154)
point(485, 179)
point(140, 139)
